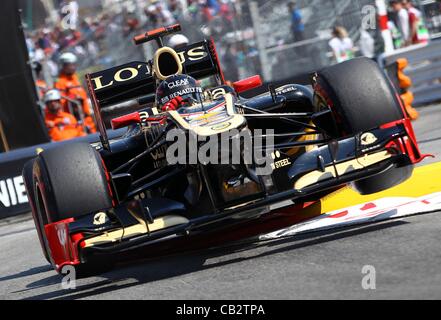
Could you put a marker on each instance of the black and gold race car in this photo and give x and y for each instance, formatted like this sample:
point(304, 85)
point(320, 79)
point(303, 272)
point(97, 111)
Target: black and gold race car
point(171, 175)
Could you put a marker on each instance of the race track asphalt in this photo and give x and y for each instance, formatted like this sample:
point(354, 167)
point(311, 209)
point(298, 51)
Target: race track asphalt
point(405, 253)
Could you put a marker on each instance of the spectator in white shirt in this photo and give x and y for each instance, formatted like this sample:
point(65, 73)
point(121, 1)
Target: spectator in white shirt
point(414, 21)
point(341, 45)
point(402, 19)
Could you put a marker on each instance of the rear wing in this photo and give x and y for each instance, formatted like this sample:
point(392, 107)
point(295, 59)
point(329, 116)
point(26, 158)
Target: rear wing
point(135, 81)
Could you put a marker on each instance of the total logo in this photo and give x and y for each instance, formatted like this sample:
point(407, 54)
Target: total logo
point(178, 83)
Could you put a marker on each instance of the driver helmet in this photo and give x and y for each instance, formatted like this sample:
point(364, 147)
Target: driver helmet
point(182, 86)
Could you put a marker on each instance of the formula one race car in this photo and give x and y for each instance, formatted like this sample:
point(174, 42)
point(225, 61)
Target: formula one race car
point(172, 176)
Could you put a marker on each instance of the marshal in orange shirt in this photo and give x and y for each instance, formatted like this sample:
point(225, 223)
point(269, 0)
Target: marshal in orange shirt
point(63, 126)
point(70, 86)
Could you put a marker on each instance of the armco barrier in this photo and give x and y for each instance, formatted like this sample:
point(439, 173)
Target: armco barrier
point(424, 69)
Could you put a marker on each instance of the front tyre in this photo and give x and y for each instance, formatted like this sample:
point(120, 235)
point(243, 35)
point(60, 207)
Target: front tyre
point(70, 181)
point(38, 220)
point(361, 98)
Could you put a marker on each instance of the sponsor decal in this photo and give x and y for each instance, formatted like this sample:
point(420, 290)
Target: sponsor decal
point(133, 71)
point(178, 83)
point(280, 163)
point(159, 157)
point(181, 93)
point(221, 126)
point(122, 75)
point(100, 218)
point(368, 138)
point(158, 154)
point(193, 54)
point(61, 233)
point(12, 192)
point(286, 90)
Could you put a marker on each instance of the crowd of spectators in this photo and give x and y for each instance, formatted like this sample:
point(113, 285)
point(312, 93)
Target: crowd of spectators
point(98, 40)
point(102, 38)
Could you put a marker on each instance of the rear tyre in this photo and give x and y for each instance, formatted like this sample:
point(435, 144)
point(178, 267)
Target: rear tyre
point(361, 98)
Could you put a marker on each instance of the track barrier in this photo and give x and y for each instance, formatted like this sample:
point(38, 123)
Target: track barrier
point(424, 69)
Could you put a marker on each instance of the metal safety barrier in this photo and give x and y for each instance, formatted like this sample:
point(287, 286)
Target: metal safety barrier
point(424, 69)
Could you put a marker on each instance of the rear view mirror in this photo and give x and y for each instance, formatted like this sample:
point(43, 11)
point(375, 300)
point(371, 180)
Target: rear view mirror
point(126, 120)
point(247, 84)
